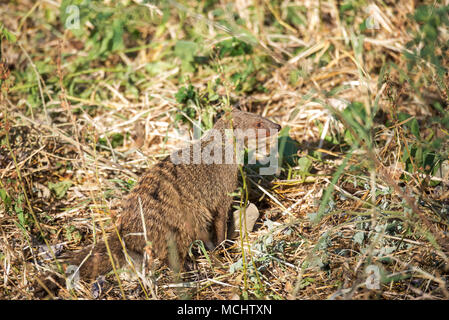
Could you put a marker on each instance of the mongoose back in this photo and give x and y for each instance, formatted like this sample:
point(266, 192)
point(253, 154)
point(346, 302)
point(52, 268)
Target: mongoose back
point(179, 203)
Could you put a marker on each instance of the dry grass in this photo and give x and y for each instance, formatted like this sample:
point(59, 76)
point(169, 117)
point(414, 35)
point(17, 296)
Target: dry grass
point(51, 133)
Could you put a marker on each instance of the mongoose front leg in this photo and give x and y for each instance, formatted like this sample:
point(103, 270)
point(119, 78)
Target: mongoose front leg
point(207, 240)
point(221, 220)
point(220, 229)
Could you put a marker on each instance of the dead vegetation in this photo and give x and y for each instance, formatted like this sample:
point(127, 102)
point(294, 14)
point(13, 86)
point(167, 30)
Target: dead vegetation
point(349, 217)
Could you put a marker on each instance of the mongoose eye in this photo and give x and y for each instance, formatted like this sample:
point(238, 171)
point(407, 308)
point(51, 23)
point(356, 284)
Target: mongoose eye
point(259, 125)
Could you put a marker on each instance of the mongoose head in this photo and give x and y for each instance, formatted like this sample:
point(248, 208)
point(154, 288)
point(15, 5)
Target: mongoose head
point(242, 121)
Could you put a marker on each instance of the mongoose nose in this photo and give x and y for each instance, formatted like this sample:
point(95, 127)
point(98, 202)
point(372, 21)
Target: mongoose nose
point(278, 127)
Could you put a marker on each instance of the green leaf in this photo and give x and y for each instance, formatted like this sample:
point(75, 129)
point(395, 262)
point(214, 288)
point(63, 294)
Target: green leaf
point(294, 16)
point(422, 13)
point(72, 233)
point(185, 50)
point(5, 33)
point(60, 188)
point(304, 164)
point(185, 94)
point(288, 148)
point(6, 200)
point(157, 67)
point(117, 38)
point(234, 47)
point(348, 138)
point(305, 282)
point(414, 128)
point(419, 156)
point(21, 218)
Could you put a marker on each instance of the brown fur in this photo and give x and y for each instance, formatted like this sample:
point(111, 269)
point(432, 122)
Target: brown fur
point(180, 203)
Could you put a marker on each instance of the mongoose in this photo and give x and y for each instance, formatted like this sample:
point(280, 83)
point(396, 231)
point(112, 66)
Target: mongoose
point(179, 202)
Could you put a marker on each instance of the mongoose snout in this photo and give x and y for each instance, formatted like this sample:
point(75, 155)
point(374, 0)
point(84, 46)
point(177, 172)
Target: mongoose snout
point(267, 133)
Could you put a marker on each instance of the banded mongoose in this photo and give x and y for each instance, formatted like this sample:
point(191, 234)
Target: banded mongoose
point(179, 203)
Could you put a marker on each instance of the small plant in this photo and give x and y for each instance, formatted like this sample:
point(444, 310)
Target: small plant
point(192, 103)
point(425, 154)
point(186, 96)
point(426, 50)
point(108, 25)
point(250, 67)
point(185, 50)
point(233, 48)
point(60, 188)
